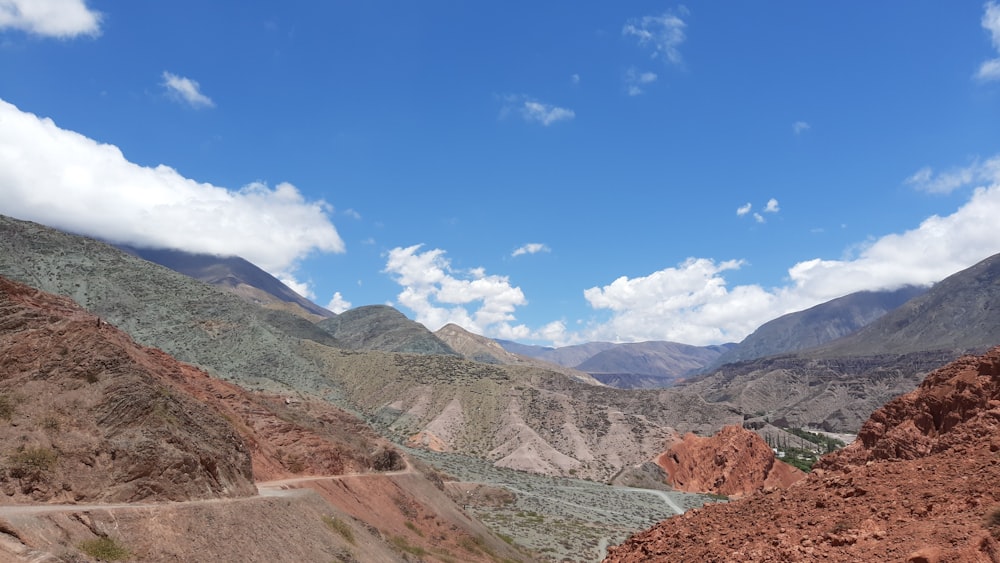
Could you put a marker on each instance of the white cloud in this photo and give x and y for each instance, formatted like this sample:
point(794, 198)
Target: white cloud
point(635, 80)
point(352, 214)
point(990, 70)
point(439, 295)
point(51, 18)
point(575, 78)
point(302, 288)
point(186, 90)
point(533, 111)
point(800, 127)
point(691, 303)
point(663, 33)
point(946, 182)
point(338, 304)
point(63, 179)
point(759, 218)
point(544, 113)
point(530, 248)
point(744, 209)
point(772, 206)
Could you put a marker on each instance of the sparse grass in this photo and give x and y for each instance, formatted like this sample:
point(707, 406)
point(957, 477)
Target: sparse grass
point(403, 545)
point(6, 406)
point(341, 527)
point(475, 545)
point(105, 549)
point(50, 423)
point(27, 462)
point(413, 528)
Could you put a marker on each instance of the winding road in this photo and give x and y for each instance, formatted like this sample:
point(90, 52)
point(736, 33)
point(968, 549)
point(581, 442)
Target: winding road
point(278, 488)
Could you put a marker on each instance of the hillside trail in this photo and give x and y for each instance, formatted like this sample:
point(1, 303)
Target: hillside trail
point(265, 489)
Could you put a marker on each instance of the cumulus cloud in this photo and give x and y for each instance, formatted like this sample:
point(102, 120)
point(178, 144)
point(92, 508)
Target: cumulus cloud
point(744, 209)
point(693, 303)
point(302, 288)
point(186, 90)
point(438, 294)
point(530, 248)
point(663, 34)
point(800, 127)
point(338, 304)
point(635, 81)
point(759, 218)
point(772, 206)
point(50, 18)
point(950, 180)
point(990, 70)
point(63, 179)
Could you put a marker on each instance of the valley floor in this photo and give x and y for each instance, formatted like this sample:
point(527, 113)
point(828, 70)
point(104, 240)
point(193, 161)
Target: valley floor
point(561, 519)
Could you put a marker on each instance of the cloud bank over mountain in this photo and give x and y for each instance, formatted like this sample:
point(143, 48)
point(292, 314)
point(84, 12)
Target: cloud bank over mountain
point(66, 180)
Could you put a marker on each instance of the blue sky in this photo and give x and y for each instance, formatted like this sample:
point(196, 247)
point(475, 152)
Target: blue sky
point(549, 173)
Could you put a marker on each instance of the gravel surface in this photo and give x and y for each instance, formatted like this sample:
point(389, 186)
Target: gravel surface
point(561, 519)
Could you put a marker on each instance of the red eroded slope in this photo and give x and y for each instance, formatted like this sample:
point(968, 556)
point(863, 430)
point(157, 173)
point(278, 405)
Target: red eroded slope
point(733, 462)
point(919, 485)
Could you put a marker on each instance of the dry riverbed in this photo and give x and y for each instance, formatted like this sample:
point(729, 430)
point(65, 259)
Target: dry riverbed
point(561, 519)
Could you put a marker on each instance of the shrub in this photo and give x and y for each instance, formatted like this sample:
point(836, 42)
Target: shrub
point(105, 549)
point(32, 462)
point(993, 521)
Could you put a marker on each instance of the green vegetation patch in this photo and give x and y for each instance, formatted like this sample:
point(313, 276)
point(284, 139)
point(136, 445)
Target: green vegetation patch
point(105, 549)
point(403, 545)
point(827, 443)
point(341, 527)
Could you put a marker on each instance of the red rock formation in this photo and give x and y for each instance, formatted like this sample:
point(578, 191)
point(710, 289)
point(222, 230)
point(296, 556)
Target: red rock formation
point(733, 462)
point(919, 485)
point(87, 414)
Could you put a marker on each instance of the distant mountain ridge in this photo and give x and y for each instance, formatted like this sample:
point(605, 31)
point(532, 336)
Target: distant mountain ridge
point(481, 349)
point(637, 365)
point(235, 274)
point(837, 385)
point(961, 313)
point(818, 325)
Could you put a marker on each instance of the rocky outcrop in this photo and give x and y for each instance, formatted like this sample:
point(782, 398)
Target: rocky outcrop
point(87, 414)
point(919, 484)
point(954, 409)
point(733, 462)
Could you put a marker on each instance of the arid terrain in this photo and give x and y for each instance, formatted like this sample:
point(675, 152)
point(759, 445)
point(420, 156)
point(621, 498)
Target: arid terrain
point(919, 484)
point(371, 443)
point(101, 432)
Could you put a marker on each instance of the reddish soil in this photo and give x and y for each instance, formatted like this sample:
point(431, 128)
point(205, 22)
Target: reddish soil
point(89, 416)
point(919, 485)
point(86, 414)
point(733, 462)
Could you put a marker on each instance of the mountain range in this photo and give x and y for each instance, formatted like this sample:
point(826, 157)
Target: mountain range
point(261, 360)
